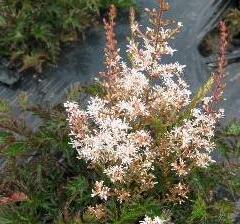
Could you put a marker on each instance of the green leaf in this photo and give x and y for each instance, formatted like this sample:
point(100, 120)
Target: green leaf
point(42, 32)
point(233, 129)
point(3, 136)
point(2, 21)
point(15, 149)
point(4, 107)
point(159, 126)
point(78, 191)
point(199, 211)
point(201, 93)
point(135, 212)
point(79, 185)
point(94, 90)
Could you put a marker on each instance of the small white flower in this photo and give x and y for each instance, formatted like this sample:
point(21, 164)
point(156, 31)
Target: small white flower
point(180, 24)
point(100, 190)
point(155, 220)
point(115, 173)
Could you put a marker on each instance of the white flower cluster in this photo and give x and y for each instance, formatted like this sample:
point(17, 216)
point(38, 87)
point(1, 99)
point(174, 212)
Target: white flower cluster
point(193, 139)
point(117, 131)
point(100, 190)
point(155, 220)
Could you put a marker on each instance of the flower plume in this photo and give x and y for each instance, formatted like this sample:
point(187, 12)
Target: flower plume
point(133, 130)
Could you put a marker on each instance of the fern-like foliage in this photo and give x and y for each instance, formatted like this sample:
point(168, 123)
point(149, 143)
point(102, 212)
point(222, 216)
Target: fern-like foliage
point(32, 32)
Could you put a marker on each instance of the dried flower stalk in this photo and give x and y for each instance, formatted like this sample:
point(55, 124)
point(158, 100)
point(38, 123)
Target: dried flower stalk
point(221, 62)
point(219, 75)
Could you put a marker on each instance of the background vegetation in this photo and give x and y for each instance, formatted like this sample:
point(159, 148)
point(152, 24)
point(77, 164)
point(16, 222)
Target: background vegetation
point(32, 32)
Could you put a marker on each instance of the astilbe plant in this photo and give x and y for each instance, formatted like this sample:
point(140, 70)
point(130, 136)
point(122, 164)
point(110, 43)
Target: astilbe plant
point(145, 132)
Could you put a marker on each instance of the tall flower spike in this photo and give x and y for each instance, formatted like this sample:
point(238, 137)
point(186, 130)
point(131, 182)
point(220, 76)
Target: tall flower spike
point(163, 6)
point(112, 57)
point(219, 75)
point(221, 61)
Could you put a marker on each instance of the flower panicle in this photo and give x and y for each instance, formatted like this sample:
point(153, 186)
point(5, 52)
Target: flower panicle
point(133, 129)
point(112, 56)
point(219, 75)
point(221, 61)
